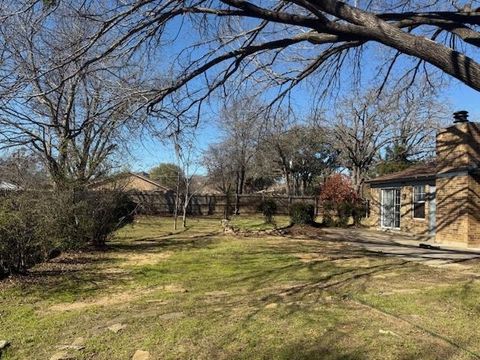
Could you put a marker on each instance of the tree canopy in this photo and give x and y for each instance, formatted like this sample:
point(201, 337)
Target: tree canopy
point(168, 175)
point(211, 44)
point(74, 117)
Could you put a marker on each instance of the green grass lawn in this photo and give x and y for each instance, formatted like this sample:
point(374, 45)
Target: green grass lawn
point(257, 222)
point(199, 294)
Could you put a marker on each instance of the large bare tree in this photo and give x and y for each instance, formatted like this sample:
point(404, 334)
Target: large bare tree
point(241, 125)
point(221, 171)
point(75, 117)
point(277, 43)
point(365, 124)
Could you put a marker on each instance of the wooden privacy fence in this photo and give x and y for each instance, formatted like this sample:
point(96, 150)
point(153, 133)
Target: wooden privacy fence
point(160, 203)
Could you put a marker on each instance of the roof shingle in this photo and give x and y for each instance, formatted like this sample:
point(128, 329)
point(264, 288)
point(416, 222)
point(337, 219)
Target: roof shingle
point(424, 171)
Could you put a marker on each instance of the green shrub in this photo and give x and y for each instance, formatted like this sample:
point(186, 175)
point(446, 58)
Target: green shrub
point(344, 212)
point(302, 213)
point(34, 225)
point(359, 211)
point(327, 218)
point(25, 232)
point(89, 218)
point(268, 208)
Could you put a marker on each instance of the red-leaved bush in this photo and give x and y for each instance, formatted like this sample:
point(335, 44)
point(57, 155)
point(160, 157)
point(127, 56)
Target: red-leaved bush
point(339, 197)
point(338, 189)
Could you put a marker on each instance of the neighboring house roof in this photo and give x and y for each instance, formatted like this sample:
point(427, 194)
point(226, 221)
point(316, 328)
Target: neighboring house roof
point(426, 171)
point(141, 173)
point(130, 181)
point(5, 185)
point(145, 178)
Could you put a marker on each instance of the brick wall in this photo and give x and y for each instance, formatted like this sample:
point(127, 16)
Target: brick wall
point(373, 220)
point(408, 224)
point(458, 147)
point(418, 227)
point(458, 188)
point(452, 209)
point(474, 210)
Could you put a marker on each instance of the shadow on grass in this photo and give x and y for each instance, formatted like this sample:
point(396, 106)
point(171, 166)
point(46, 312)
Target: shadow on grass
point(341, 282)
point(164, 243)
point(322, 351)
point(70, 278)
point(73, 276)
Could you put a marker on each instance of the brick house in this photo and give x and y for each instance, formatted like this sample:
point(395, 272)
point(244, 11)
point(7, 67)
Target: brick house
point(439, 201)
point(130, 181)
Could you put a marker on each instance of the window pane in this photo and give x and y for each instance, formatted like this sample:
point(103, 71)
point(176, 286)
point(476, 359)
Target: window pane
point(419, 210)
point(419, 193)
point(419, 197)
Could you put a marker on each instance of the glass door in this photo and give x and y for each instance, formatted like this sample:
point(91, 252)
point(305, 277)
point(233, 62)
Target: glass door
point(391, 208)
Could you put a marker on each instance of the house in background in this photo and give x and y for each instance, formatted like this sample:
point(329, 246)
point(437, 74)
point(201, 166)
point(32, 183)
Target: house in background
point(130, 181)
point(439, 201)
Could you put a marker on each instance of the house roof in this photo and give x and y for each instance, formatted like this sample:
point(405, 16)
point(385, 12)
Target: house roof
point(425, 171)
point(144, 178)
point(140, 176)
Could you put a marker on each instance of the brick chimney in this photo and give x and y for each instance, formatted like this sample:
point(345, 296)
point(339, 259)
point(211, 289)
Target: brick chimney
point(458, 182)
point(458, 146)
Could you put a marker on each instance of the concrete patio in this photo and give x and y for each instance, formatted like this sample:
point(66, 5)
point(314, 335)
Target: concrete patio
point(403, 246)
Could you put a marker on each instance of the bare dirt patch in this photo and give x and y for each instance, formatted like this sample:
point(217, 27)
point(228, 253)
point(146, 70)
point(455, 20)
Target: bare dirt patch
point(401, 291)
point(109, 300)
point(146, 258)
point(119, 298)
point(218, 293)
point(386, 275)
point(311, 257)
point(304, 231)
point(356, 262)
point(174, 288)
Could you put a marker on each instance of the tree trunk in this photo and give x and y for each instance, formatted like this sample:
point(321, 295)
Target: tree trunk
point(288, 180)
point(358, 179)
point(185, 203)
point(177, 199)
point(304, 186)
point(184, 216)
point(239, 189)
point(226, 211)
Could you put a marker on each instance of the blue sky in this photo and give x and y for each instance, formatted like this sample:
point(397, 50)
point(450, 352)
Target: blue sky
point(149, 152)
point(464, 98)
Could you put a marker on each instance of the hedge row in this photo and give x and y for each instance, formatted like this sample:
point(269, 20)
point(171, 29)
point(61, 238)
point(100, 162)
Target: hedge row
point(37, 225)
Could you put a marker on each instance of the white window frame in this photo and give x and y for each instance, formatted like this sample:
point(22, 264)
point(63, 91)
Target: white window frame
point(424, 201)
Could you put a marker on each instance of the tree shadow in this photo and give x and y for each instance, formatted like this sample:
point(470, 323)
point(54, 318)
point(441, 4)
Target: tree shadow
point(165, 243)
